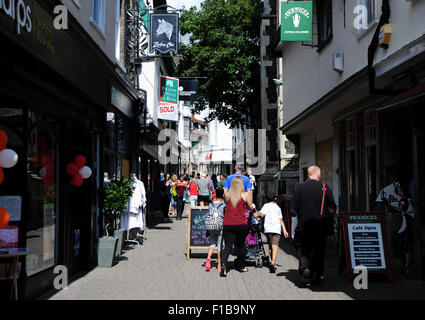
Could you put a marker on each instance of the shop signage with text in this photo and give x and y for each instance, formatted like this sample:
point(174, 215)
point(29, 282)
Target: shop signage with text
point(169, 99)
point(297, 21)
point(18, 11)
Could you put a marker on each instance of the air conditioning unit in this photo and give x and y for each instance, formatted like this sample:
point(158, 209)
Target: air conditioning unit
point(338, 61)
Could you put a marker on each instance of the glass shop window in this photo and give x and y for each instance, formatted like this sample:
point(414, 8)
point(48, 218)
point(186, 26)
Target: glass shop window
point(11, 188)
point(42, 201)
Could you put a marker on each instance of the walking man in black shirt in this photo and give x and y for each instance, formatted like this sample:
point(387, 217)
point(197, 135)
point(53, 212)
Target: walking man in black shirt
point(315, 206)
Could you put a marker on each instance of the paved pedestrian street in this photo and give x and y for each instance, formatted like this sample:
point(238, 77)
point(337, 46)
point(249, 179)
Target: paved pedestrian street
point(159, 270)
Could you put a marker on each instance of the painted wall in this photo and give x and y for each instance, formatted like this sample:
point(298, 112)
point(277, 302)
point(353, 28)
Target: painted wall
point(81, 10)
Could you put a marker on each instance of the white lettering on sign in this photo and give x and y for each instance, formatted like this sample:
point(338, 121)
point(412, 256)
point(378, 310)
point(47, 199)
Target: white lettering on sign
point(18, 11)
point(157, 44)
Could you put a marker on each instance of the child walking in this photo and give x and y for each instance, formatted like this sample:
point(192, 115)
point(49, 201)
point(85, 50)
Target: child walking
point(216, 237)
point(273, 226)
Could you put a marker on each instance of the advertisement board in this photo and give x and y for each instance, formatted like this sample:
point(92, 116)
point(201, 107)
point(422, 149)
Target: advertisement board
point(169, 99)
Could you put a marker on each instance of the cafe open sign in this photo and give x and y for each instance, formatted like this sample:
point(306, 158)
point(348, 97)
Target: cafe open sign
point(297, 21)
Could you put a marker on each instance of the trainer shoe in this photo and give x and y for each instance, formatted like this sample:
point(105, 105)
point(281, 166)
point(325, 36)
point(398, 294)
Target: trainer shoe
point(208, 265)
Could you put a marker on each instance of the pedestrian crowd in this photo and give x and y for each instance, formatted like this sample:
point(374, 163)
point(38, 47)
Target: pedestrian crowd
point(233, 217)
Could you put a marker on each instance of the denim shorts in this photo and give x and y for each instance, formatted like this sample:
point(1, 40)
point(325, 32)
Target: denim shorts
point(216, 240)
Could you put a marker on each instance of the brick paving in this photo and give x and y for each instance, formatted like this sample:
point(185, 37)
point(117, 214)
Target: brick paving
point(159, 270)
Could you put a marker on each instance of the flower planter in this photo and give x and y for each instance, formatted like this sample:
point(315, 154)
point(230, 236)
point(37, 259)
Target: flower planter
point(106, 251)
point(119, 234)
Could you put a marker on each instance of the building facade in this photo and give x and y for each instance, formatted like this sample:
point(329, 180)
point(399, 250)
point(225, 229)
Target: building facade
point(353, 107)
point(63, 94)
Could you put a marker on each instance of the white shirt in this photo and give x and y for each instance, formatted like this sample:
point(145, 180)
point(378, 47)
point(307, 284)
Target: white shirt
point(272, 214)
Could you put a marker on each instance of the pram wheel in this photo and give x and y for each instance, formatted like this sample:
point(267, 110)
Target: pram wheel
point(266, 261)
point(258, 262)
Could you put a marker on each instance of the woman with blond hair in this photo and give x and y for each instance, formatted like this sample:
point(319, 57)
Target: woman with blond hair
point(235, 227)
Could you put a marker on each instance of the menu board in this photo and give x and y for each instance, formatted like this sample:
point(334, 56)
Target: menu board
point(196, 232)
point(365, 241)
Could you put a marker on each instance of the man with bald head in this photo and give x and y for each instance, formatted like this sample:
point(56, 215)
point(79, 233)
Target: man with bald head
point(314, 204)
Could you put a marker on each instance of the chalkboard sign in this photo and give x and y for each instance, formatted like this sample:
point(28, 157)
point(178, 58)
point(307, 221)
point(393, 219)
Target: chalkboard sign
point(196, 237)
point(365, 242)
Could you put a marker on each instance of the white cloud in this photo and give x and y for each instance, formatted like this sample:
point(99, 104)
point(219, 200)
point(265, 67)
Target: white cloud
point(178, 4)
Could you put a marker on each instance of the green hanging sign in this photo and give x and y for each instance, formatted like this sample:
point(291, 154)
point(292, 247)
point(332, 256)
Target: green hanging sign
point(296, 21)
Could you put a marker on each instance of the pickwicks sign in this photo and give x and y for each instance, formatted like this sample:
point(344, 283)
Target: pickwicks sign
point(296, 21)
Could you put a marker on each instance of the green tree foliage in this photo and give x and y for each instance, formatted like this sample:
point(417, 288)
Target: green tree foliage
point(115, 198)
point(224, 47)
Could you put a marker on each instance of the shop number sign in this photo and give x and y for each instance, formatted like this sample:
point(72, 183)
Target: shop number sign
point(169, 99)
point(296, 20)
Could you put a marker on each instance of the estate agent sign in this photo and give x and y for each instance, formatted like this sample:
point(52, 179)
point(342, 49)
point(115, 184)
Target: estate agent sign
point(164, 33)
point(297, 21)
point(169, 99)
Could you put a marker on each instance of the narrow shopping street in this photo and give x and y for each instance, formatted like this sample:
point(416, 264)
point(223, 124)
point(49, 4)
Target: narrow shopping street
point(159, 270)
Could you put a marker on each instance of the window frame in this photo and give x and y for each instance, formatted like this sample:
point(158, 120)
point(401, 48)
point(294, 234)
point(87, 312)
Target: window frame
point(98, 14)
point(371, 21)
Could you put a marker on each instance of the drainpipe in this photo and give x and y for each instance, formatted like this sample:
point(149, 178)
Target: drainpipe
point(385, 18)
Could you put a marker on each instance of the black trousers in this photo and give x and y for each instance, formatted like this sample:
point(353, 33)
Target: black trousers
point(165, 204)
point(234, 235)
point(311, 244)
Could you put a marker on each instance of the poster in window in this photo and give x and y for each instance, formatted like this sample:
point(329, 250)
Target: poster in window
point(13, 205)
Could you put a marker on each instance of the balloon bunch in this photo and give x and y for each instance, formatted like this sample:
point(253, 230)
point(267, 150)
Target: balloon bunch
point(78, 170)
point(8, 157)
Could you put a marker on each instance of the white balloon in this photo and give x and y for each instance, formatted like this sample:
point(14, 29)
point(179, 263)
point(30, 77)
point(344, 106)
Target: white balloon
point(42, 172)
point(85, 172)
point(8, 158)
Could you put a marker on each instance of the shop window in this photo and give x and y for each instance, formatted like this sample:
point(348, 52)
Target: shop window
point(350, 146)
point(11, 189)
point(350, 134)
point(41, 216)
point(116, 153)
point(370, 127)
point(370, 124)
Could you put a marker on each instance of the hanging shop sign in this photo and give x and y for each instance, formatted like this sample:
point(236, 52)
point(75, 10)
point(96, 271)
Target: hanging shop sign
point(189, 90)
point(164, 33)
point(169, 99)
point(365, 242)
point(297, 21)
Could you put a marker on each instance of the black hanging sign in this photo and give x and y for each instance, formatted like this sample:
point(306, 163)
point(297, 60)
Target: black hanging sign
point(189, 90)
point(164, 36)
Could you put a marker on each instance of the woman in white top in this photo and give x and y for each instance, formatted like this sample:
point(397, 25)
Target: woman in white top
point(273, 226)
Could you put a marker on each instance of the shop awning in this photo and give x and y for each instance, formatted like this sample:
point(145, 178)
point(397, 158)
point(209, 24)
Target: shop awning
point(407, 98)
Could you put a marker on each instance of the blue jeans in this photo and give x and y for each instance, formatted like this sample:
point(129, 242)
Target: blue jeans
point(180, 206)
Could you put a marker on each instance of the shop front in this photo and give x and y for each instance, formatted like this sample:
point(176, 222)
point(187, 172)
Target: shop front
point(53, 110)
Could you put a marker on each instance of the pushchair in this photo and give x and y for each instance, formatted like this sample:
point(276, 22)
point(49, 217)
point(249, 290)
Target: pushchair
point(255, 253)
